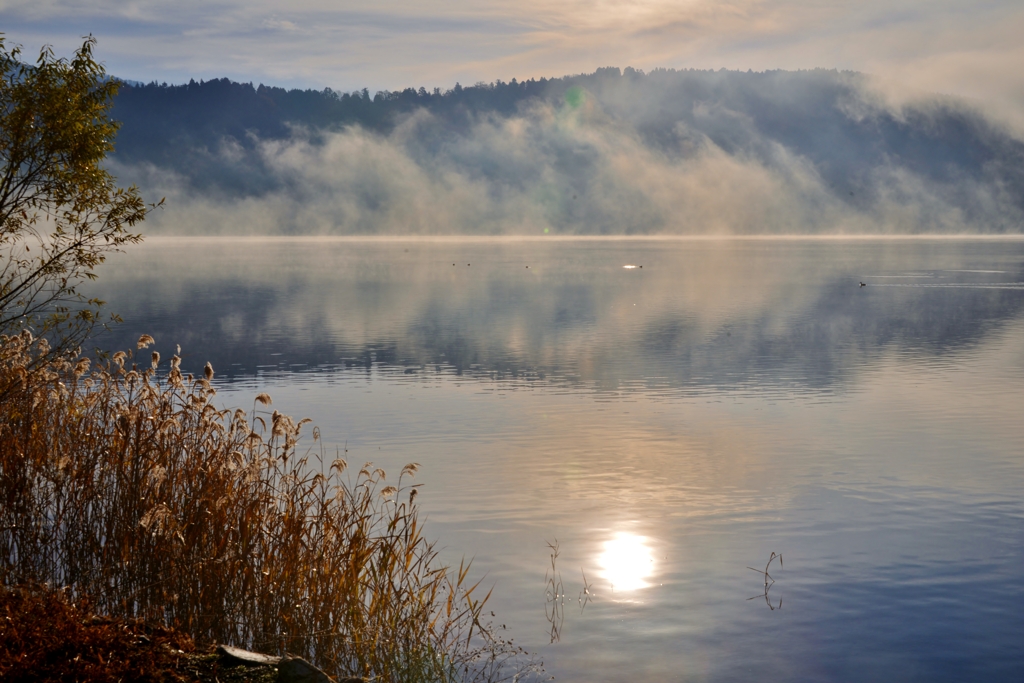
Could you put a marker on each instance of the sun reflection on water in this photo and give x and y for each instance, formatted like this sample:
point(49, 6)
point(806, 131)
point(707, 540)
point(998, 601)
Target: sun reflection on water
point(626, 562)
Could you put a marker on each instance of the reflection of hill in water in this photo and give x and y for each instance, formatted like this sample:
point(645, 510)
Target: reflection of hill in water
point(782, 314)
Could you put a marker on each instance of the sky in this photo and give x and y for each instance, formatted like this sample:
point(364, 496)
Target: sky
point(966, 48)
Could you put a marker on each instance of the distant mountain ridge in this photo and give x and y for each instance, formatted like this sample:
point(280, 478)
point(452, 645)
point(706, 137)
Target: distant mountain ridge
point(553, 153)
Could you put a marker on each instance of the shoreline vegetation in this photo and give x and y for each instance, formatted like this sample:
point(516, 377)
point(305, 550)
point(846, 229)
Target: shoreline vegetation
point(127, 487)
point(128, 496)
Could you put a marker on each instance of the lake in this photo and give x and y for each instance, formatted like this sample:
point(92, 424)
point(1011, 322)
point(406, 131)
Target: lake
point(668, 414)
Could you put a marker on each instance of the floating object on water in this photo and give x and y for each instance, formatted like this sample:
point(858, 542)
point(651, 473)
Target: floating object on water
point(863, 284)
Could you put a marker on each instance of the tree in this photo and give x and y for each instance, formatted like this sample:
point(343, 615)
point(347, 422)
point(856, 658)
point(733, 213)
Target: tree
point(61, 212)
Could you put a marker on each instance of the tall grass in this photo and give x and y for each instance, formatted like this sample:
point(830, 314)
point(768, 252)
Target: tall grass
point(128, 485)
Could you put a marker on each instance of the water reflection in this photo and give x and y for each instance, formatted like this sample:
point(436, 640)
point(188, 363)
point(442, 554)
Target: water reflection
point(700, 315)
point(626, 562)
point(725, 400)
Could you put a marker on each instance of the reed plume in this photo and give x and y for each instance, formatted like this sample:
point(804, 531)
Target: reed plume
point(130, 487)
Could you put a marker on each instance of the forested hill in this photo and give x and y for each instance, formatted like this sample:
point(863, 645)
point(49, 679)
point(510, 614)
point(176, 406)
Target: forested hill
point(207, 110)
point(607, 152)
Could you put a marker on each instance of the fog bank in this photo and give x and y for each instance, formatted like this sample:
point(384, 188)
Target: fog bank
point(607, 153)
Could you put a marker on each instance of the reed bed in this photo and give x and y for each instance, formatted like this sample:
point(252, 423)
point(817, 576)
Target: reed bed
point(125, 484)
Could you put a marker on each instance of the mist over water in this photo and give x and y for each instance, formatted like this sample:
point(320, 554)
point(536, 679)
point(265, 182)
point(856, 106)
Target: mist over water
point(729, 399)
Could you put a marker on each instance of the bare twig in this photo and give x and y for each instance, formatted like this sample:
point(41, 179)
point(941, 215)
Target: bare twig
point(768, 581)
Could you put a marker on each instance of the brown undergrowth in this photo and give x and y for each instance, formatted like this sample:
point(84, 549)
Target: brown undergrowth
point(46, 637)
point(125, 485)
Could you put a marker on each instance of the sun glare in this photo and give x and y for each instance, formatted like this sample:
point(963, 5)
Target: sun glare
point(626, 562)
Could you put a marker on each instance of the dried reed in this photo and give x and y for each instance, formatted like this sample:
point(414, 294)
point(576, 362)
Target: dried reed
point(127, 485)
point(768, 581)
point(554, 595)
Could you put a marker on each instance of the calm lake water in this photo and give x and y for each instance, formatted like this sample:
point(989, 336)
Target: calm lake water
point(668, 426)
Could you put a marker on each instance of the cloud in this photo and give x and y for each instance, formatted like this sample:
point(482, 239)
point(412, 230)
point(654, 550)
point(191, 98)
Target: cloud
point(708, 169)
point(279, 25)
